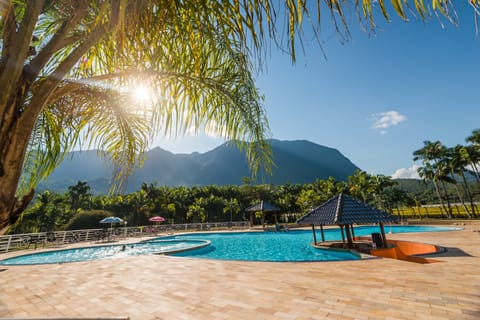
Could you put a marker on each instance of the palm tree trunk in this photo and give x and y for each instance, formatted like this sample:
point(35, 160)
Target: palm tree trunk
point(437, 191)
point(462, 201)
point(449, 212)
point(14, 137)
point(469, 194)
point(475, 169)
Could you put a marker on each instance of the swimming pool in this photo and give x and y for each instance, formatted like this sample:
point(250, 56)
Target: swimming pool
point(292, 246)
point(156, 246)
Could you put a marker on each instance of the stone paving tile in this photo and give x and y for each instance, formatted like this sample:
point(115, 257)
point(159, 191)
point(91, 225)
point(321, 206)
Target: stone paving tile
point(162, 287)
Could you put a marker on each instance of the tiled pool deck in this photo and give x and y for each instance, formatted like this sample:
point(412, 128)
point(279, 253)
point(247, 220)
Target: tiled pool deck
point(162, 287)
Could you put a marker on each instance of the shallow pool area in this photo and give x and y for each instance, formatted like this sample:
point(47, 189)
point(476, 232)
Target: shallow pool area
point(284, 246)
point(157, 246)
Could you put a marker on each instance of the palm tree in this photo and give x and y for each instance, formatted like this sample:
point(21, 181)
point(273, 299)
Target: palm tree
point(458, 160)
point(308, 199)
point(361, 186)
point(473, 151)
point(431, 154)
point(68, 69)
point(450, 166)
point(140, 206)
point(474, 137)
point(380, 184)
point(79, 196)
point(329, 188)
point(232, 207)
point(428, 173)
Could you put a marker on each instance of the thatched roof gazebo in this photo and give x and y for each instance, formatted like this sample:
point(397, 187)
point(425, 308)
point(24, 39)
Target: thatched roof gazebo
point(344, 211)
point(263, 207)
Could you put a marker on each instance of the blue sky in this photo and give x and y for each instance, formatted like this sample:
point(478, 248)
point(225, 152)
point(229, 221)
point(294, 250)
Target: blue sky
point(375, 98)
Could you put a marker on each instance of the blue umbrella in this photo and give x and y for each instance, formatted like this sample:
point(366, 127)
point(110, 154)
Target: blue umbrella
point(111, 220)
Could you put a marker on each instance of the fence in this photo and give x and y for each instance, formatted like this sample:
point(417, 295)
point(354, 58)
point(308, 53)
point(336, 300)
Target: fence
point(43, 239)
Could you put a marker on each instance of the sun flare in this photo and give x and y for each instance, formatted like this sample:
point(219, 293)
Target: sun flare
point(141, 93)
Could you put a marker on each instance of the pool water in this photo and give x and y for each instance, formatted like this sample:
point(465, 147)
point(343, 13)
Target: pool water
point(105, 251)
point(263, 246)
point(294, 245)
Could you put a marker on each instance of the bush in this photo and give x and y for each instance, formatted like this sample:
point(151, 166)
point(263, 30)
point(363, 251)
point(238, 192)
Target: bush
point(87, 219)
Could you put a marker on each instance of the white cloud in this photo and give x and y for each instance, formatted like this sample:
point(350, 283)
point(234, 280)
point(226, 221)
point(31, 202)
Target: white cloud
point(407, 173)
point(384, 120)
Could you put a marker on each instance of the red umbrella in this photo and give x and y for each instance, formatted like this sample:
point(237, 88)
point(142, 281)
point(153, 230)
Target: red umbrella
point(157, 219)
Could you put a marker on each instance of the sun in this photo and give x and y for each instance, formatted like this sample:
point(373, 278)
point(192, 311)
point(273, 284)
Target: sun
point(141, 93)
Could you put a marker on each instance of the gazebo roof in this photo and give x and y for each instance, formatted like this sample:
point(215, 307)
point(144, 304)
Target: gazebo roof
point(263, 206)
point(342, 210)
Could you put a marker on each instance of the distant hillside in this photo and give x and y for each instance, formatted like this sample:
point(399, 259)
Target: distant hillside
point(296, 162)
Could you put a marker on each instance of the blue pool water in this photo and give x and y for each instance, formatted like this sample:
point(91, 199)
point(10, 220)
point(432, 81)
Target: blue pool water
point(105, 251)
point(294, 245)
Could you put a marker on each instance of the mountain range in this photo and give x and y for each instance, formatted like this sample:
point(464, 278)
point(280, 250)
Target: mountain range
point(298, 161)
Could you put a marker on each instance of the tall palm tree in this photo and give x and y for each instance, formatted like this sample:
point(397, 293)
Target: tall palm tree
point(232, 207)
point(472, 152)
point(79, 195)
point(474, 137)
point(68, 68)
point(428, 173)
point(431, 154)
point(458, 161)
point(450, 165)
point(361, 185)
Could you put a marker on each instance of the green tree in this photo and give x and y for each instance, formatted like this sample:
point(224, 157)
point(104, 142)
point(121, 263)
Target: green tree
point(141, 206)
point(456, 161)
point(196, 211)
point(79, 196)
point(396, 198)
point(329, 188)
point(67, 69)
point(232, 208)
point(308, 199)
point(49, 211)
point(361, 185)
point(472, 152)
point(431, 155)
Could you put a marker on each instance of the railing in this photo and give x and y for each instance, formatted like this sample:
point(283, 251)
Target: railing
point(43, 239)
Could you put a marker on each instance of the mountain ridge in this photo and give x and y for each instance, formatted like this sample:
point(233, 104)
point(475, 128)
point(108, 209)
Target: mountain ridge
point(296, 161)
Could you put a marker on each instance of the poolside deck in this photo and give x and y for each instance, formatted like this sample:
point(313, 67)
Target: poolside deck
point(162, 287)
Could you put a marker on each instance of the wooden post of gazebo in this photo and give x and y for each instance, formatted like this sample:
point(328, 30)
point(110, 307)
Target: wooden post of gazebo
point(353, 231)
point(251, 219)
point(384, 238)
point(343, 235)
point(314, 235)
point(349, 236)
point(323, 236)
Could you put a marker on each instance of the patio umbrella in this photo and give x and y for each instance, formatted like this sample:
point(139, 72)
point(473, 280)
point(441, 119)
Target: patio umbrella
point(111, 220)
point(157, 219)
